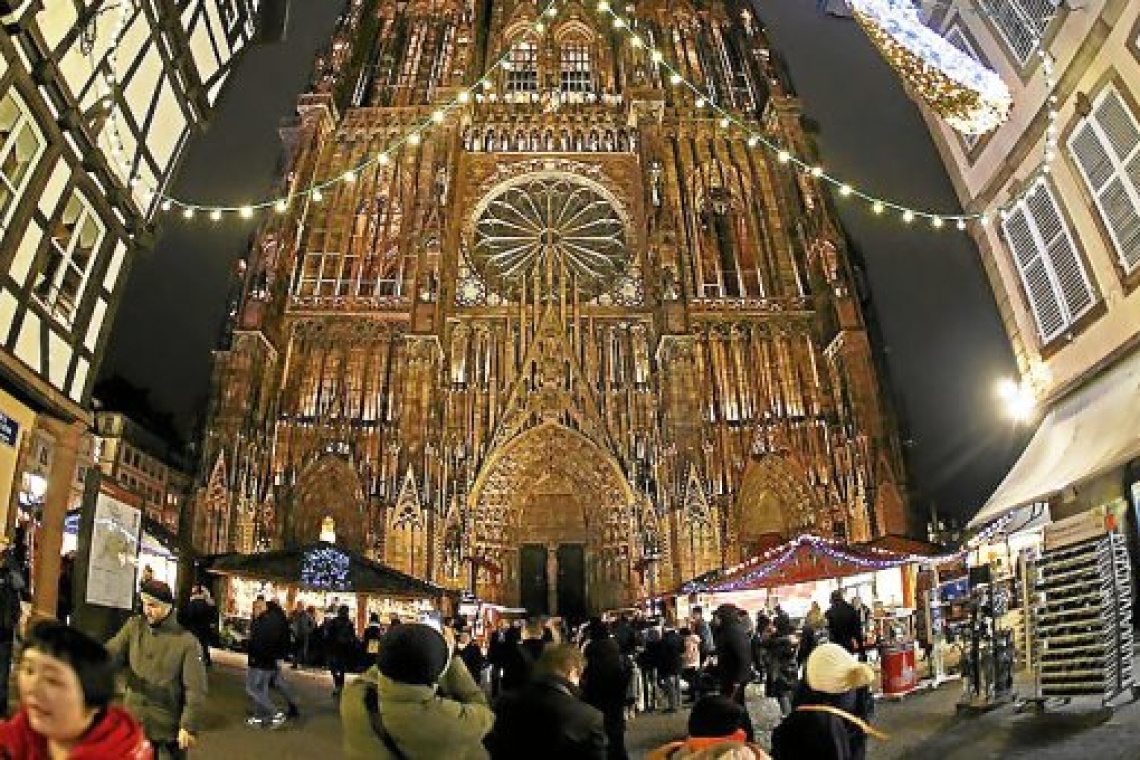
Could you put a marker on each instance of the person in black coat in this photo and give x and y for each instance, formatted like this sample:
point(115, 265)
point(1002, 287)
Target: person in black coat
point(830, 710)
point(545, 718)
point(468, 650)
point(519, 660)
point(339, 636)
point(605, 684)
point(733, 656)
point(843, 624)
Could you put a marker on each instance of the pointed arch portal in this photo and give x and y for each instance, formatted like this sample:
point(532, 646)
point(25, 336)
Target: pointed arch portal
point(553, 511)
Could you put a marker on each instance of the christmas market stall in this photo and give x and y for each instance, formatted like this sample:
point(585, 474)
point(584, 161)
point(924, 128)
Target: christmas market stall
point(322, 575)
point(796, 573)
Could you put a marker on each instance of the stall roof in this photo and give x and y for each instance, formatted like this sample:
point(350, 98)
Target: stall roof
point(1086, 434)
point(326, 567)
point(809, 558)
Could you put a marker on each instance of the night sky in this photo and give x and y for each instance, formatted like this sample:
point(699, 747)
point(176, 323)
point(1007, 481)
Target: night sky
point(944, 345)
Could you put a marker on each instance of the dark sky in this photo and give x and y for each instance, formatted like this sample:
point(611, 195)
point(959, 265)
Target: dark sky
point(944, 343)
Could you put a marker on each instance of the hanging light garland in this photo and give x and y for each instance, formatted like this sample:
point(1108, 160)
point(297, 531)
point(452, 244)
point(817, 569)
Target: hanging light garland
point(188, 210)
point(314, 192)
point(755, 138)
point(968, 96)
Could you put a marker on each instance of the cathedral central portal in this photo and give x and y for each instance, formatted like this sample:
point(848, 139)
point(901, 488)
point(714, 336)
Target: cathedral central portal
point(553, 508)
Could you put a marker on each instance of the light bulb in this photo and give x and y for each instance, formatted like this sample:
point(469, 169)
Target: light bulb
point(187, 213)
point(281, 205)
point(414, 138)
point(167, 205)
point(464, 96)
point(675, 79)
point(784, 157)
point(877, 207)
point(216, 215)
point(349, 176)
point(318, 196)
point(845, 190)
point(437, 117)
point(908, 216)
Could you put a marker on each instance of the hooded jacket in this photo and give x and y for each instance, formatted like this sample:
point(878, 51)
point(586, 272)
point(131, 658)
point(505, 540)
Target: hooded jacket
point(448, 720)
point(113, 734)
point(547, 718)
point(166, 680)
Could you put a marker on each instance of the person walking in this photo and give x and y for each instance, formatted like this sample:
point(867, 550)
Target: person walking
point(415, 702)
point(468, 650)
point(830, 711)
point(373, 632)
point(268, 643)
point(518, 662)
point(302, 623)
point(716, 730)
point(166, 681)
point(669, 667)
point(497, 655)
point(701, 627)
point(66, 683)
point(199, 619)
point(734, 656)
point(12, 586)
point(648, 662)
point(691, 663)
point(605, 685)
point(546, 716)
point(843, 625)
point(340, 646)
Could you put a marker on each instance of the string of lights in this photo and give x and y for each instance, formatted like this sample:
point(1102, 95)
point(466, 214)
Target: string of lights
point(878, 205)
point(414, 136)
point(315, 190)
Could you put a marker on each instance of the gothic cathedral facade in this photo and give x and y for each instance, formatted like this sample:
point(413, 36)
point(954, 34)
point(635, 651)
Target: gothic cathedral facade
point(569, 342)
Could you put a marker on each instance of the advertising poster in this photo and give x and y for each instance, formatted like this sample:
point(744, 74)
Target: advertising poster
point(114, 553)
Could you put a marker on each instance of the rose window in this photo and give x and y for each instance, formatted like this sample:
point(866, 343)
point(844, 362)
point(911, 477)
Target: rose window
point(550, 227)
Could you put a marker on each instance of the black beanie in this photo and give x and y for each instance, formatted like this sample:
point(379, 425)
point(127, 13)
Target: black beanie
point(715, 716)
point(158, 591)
point(413, 654)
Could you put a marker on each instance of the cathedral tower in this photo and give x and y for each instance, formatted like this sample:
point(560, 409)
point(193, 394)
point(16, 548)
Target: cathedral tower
point(574, 339)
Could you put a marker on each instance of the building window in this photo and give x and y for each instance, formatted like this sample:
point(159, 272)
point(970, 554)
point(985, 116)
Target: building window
point(956, 37)
point(21, 146)
point(576, 67)
point(1055, 280)
point(522, 68)
point(75, 238)
point(1106, 149)
point(1021, 23)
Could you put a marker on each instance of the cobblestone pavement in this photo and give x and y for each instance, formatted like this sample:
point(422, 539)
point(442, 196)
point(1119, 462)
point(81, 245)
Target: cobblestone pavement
point(922, 726)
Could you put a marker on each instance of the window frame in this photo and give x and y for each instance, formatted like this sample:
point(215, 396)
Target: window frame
point(1043, 253)
point(25, 120)
point(522, 68)
point(1004, 15)
point(1117, 172)
point(51, 302)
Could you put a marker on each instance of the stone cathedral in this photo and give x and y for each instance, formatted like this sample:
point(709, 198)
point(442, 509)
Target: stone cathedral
point(570, 343)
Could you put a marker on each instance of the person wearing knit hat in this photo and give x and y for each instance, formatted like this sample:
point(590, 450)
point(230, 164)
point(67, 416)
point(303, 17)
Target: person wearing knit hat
point(831, 710)
point(716, 730)
point(166, 684)
point(416, 701)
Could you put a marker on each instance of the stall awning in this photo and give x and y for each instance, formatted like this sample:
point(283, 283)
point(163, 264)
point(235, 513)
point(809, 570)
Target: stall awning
point(1084, 435)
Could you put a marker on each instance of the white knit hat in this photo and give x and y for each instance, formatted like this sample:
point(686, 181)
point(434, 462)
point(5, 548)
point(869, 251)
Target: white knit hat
point(832, 670)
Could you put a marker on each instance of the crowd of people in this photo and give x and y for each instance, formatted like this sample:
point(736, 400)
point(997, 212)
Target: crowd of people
point(433, 691)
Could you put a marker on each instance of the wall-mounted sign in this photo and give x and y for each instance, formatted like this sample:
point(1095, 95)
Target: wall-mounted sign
point(1086, 526)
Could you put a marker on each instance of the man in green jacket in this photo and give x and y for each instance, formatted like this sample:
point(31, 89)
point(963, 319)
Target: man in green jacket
point(416, 702)
point(166, 680)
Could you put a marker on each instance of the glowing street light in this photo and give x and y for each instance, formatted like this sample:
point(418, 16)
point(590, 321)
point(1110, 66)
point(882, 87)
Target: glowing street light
point(1018, 398)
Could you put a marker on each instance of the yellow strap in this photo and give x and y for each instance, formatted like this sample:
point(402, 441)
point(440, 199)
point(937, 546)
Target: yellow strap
point(863, 725)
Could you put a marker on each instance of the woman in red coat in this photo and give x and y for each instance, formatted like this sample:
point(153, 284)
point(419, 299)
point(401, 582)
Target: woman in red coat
point(66, 682)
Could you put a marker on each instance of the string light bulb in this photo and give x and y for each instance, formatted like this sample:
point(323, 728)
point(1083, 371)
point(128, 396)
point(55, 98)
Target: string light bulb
point(246, 212)
point(281, 206)
point(216, 215)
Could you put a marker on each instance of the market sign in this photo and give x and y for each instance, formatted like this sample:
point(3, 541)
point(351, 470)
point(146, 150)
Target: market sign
point(1083, 527)
point(9, 430)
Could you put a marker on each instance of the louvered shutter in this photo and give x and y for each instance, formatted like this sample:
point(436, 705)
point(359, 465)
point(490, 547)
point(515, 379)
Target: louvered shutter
point(956, 37)
point(1106, 149)
point(1027, 254)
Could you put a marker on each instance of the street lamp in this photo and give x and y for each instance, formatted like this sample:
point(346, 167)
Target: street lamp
point(1018, 399)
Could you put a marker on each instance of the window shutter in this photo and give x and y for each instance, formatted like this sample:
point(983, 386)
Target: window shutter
point(1068, 270)
point(1034, 275)
point(1106, 149)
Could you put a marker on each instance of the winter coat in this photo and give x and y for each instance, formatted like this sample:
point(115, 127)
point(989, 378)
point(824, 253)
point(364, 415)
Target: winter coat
point(605, 681)
point(708, 644)
point(650, 658)
point(844, 627)
point(669, 657)
point(710, 748)
point(823, 736)
point(166, 680)
point(546, 718)
point(113, 734)
point(518, 663)
point(782, 672)
point(425, 722)
point(199, 617)
point(268, 640)
point(472, 656)
point(733, 652)
point(340, 638)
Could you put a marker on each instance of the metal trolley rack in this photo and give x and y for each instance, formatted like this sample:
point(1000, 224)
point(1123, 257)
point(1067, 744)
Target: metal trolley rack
point(1082, 623)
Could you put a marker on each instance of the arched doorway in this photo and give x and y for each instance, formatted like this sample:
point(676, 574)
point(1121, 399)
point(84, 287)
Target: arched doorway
point(773, 501)
point(553, 515)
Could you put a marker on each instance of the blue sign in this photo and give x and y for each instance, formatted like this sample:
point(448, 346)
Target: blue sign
point(9, 429)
